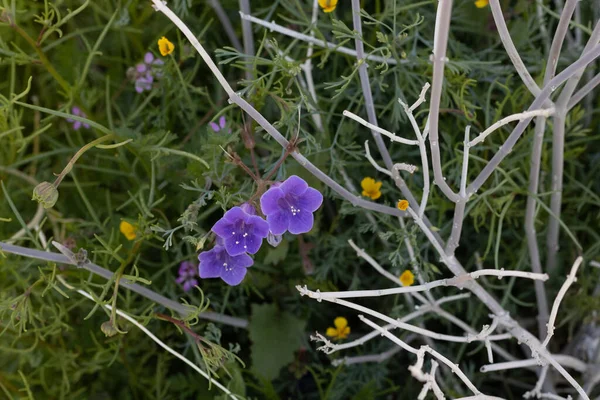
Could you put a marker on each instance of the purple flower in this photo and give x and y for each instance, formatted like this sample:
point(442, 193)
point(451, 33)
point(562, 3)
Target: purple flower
point(78, 124)
point(242, 232)
point(144, 73)
point(187, 275)
point(144, 83)
point(217, 263)
point(290, 206)
point(220, 126)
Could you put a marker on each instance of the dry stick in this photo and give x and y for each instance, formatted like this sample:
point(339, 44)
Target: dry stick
point(419, 353)
point(372, 117)
point(422, 146)
point(558, 145)
point(366, 86)
point(458, 281)
point(247, 34)
point(584, 91)
point(561, 293)
point(368, 358)
point(329, 348)
point(558, 130)
point(534, 172)
point(530, 232)
point(566, 360)
point(433, 305)
point(440, 43)
point(544, 112)
point(307, 65)
point(226, 24)
point(450, 261)
point(98, 270)
point(512, 326)
point(509, 46)
point(272, 26)
point(396, 322)
point(459, 208)
point(506, 148)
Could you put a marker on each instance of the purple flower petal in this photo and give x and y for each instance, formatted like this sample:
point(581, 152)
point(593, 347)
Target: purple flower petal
point(294, 185)
point(189, 284)
point(248, 208)
point(242, 232)
point(235, 272)
point(148, 57)
point(141, 68)
point(209, 266)
point(310, 200)
point(217, 263)
point(259, 225)
point(143, 83)
point(86, 126)
point(278, 222)
point(240, 244)
point(301, 222)
point(76, 125)
point(215, 127)
point(269, 200)
point(222, 121)
point(233, 276)
point(290, 206)
point(76, 111)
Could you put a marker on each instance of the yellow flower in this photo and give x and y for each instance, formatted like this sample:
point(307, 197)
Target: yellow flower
point(165, 46)
point(481, 3)
point(407, 278)
point(128, 230)
point(328, 5)
point(341, 330)
point(402, 205)
point(371, 188)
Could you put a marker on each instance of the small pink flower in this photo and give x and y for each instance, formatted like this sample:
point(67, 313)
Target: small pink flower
point(220, 126)
point(78, 124)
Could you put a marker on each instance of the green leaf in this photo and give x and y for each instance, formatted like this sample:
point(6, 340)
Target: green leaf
point(275, 336)
point(277, 254)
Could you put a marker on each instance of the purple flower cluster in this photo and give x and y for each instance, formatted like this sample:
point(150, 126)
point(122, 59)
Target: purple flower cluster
point(288, 206)
point(78, 124)
point(144, 73)
point(187, 275)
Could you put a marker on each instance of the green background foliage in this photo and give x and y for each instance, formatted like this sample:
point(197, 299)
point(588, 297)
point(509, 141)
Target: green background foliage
point(173, 179)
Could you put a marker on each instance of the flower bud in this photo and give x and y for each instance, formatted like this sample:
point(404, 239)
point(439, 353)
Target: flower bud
point(274, 240)
point(108, 329)
point(46, 194)
point(248, 208)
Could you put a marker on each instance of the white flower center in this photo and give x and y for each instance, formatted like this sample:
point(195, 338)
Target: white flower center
point(294, 210)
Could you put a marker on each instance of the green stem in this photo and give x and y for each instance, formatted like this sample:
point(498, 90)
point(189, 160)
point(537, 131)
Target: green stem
point(73, 160)
point(118, 276)
point(43, 59)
